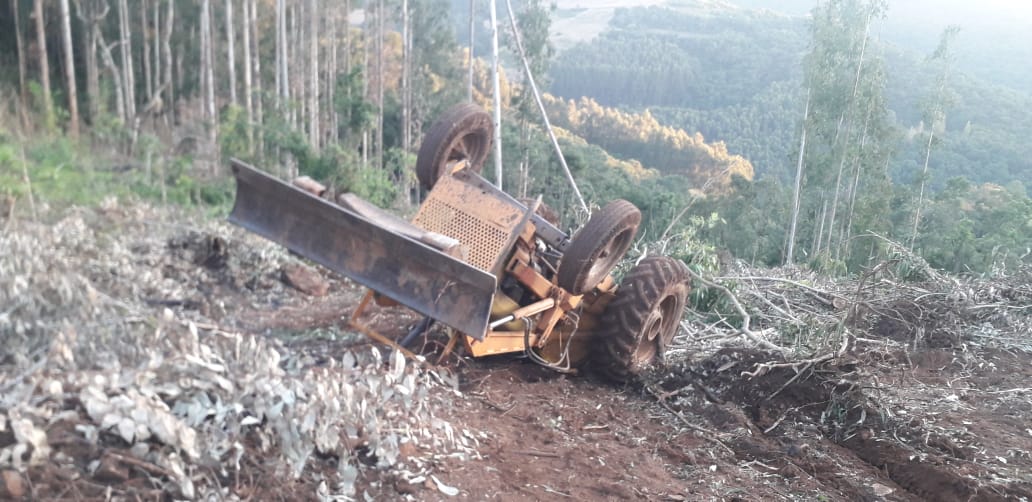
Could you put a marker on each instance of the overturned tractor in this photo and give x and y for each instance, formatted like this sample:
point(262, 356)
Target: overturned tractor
point(496, 271)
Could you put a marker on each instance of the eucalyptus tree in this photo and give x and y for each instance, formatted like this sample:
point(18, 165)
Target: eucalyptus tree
point(934, 110)
point(844, 90)
point(44, 65)
point(69, 67)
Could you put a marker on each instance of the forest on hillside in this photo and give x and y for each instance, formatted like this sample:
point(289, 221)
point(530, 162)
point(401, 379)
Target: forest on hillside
point(895, 145)
point(737, 79)
point(698, 120)
point(151, 98)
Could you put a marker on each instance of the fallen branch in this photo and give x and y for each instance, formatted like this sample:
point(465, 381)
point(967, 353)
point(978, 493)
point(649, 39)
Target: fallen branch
point(761, 369)
point(817, 293)
point(535, 453)
point(746, 318)
point(145, 466)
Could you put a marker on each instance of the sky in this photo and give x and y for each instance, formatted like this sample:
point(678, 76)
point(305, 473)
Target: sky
point(957, 11)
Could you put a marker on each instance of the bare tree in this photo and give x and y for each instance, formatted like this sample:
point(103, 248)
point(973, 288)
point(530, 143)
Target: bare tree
point(69, 64)
point(282, 89)
point(166, 49)
point(145, 35)
point(406, 84)
point(231, 52)
point(44, 66)
point(207, 71)
point(472, 31)
point(255, 37)
point(157, 49)
point(248, 99)
point(798, 186)
point(314, 14)
point(331, 76)
point(126, 44)
point(296, 79)
point(857, 167)
point(379, 82)
point(935, 112)
point(22, 88)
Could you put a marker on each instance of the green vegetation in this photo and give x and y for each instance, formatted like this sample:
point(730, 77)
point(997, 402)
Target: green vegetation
point(633, 110)
point(745, 77)
point(62, 172)
point(734, 75)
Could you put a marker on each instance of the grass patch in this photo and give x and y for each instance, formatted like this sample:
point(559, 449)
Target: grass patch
point(64, 173)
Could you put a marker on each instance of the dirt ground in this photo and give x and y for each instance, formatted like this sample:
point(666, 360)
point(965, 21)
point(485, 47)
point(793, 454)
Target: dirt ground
point(881, 424)
point(890, 419)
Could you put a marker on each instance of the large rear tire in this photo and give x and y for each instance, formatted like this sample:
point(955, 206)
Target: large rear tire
point(463, 132)
point(598, 247)
point(643, 318)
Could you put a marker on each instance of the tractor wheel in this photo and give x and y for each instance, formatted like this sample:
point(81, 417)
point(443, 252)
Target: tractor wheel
point(462, 133)
point(598, 247)
point(644, 316)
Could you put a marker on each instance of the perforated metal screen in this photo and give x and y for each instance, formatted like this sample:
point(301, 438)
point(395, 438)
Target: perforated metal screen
point(480, 222)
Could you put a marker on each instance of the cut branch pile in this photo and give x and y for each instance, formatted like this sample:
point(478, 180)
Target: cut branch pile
point(805, 317)
point(170, 395)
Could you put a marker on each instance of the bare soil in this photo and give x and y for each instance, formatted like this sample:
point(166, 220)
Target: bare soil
point(933, 424)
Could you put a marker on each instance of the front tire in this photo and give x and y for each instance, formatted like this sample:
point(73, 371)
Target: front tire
point(643, 318)
point(598, 247)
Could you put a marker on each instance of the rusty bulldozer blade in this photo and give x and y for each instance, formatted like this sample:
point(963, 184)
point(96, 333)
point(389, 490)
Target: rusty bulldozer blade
point(410, 272)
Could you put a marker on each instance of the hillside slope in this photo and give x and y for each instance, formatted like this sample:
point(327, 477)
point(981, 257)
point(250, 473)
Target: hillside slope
point(734, 75)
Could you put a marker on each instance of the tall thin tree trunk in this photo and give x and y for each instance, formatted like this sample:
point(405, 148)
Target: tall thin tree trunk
point(90, 19)
point(166, 48)
point(44, 65)
point(331, 77)
point(798, 186)
point(296, 79)
point(406, 113)
point(282, 66)
point(202, 59)
point(410, 188)
point(837, 188)
point(313, 73)
point(23, 92)
point(248, 91)
point(145, 35)
point(366, 71)
point(347, 57)
point(259, 107)
point(208, 73)
point(849, 127)
point(280, 13)
point(69, 64)
point(156, 78)
point(820, 229)
point(848, 231)
point(920, 195)
point(472, 31)
point(380, 81)
point(231, 52)
point(128, 76)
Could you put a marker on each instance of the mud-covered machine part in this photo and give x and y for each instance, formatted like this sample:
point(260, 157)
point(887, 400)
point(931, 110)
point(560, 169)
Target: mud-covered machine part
point(475, 259)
